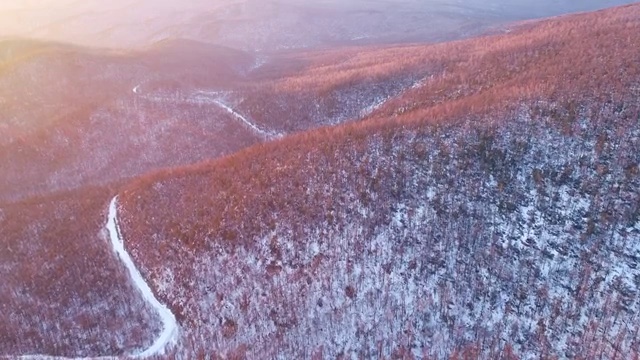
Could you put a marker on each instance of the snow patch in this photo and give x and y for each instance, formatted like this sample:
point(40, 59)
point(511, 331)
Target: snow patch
point(373, 107)
point(259, 62)
point(383, 100)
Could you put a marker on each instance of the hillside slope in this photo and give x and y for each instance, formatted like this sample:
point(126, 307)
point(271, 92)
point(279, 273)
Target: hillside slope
point(71, 117)
point(491, 212)
point(74, 117)
point(64, 291)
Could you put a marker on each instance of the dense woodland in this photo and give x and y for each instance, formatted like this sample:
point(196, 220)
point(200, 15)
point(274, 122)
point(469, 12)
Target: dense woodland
point(474, 199)
point(529, 247)
point(62, 292)
point(499, 220)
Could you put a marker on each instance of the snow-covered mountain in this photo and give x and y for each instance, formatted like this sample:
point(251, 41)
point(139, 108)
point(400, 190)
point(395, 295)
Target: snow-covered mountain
point(107, 116)
point(464, 200)
point(499, 219)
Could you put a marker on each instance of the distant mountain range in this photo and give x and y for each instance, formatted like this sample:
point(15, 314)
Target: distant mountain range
point(257, 25)
point(473, 199)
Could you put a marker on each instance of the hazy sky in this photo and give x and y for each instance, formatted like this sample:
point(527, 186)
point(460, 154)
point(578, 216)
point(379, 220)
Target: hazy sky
point(263, 24)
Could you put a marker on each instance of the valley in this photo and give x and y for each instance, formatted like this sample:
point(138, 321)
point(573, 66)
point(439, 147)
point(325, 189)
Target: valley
point(468, 199)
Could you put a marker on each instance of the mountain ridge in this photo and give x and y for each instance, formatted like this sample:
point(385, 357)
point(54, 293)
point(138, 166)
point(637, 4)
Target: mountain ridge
point(471, 200)
point(338, 226)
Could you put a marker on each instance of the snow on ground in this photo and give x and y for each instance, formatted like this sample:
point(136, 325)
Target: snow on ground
point(375, 106)
point(170, 325)
point(381, 101)
point(259, 62)
point(201, 97)
point(246, 121)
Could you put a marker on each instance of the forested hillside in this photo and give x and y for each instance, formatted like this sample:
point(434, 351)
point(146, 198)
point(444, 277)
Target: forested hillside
point(74, 117)
point(472, 199)
point(492, 211)
point(62, 293)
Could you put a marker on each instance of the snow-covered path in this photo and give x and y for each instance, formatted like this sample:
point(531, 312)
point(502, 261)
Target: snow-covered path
point(210, 97)
point(246, 121)
point(169, 323)
point(380, 103)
